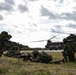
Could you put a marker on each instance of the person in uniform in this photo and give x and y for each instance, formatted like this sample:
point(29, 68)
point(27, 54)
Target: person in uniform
point(64, 53)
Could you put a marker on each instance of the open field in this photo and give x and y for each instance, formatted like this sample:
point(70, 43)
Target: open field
point(13, 66)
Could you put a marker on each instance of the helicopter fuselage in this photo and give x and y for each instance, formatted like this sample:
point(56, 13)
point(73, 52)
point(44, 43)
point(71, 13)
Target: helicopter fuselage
point(54, 45)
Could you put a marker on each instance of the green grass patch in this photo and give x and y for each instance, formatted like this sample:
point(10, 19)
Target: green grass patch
point(12, 66)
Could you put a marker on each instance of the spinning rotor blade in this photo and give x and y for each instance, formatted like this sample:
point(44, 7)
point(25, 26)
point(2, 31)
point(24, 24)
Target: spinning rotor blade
point(44, 40)
point(39, 41)
point(52, 37)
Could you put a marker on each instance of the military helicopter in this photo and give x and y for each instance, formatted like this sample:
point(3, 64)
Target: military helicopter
point(52, 45)
point(55, 45)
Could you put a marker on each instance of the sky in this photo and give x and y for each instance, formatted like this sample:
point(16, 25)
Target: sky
point(33, 20)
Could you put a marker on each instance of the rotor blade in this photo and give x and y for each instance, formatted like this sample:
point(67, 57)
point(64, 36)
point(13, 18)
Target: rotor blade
point(52, 37)
point(63, 33)
point(39, 41)
point(44, 40)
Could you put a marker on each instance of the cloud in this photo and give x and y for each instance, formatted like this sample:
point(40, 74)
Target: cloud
point(61, 1)
point(33, 0)
point(69, 16)
point(10, 2)
point(46, 12)
point(15, 26)
point(33, 25)
point(19, 32)
point(57, 29)
point(7, 5)
point(1, 17)
point(22, 8)
point(72, 26)
point(42, 20)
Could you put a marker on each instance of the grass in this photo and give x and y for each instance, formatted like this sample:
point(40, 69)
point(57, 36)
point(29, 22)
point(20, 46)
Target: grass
point(12, 66)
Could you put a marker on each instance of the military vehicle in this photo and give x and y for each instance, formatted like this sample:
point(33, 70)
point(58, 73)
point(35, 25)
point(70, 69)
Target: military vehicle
point(52, 45)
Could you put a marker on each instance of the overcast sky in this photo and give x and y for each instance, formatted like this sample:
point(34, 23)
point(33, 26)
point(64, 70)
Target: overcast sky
point(33, 20)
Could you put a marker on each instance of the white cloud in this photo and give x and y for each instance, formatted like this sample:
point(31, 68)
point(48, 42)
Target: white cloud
point(1, 17)
point(37, 21)
point(7, 5)
point(22, 8)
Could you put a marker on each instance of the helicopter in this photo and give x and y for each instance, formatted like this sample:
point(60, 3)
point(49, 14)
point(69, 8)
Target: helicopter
point(52, 45)
point(71, 39)
point(56, 45)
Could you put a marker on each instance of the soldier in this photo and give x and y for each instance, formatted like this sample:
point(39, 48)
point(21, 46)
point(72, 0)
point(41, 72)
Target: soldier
point(45, 58)
point(57, 61)
point(28, 57)
point(64, 52)
point(23, 57)
point(68, 53)
point(13, 52)
point(35, 53)
point(41, 57)
point(4, 38)
point(65, 55)
point(35, 56)
point(71, 53)
point(1, 50)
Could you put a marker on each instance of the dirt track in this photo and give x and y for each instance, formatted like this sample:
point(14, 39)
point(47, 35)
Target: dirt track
point(44, 50)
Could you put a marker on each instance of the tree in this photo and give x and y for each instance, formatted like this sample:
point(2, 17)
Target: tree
point(4, 38)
